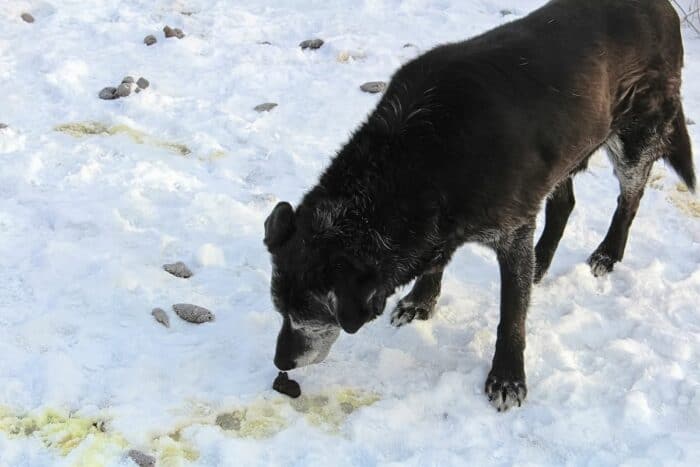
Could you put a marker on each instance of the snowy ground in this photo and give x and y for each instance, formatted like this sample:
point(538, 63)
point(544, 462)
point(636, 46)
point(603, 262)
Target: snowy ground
point(86, 223)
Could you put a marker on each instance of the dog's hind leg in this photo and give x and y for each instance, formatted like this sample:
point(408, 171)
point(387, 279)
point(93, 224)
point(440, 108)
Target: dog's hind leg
point(420, 301)
point(559, 206)
point(505, 385)
point(632, 155)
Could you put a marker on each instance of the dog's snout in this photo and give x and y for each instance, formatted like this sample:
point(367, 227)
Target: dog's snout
point(284, 364)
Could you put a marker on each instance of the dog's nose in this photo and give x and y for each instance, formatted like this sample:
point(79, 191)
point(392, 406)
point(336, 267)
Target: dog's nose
point(284, 364)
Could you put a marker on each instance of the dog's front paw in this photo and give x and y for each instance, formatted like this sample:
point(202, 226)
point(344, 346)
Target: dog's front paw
point(405, 312)
point(504, 393)
point(601, 263)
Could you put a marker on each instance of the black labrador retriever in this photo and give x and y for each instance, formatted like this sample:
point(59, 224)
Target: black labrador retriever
point(465, 145)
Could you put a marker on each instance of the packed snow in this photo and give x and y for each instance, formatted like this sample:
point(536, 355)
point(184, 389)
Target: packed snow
point(96, 195)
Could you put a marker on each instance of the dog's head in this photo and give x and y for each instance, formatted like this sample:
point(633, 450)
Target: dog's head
point(317, 291)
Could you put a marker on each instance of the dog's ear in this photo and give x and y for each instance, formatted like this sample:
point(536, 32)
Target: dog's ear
point(357, 298)
point(279, 225)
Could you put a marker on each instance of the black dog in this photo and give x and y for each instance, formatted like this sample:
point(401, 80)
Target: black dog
point(466, 143)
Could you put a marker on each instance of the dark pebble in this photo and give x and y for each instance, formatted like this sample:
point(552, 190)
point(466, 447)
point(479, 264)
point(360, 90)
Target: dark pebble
point(178, 269)
point(123, 90)
point(690, 122)
point(142, 83)
point(265, 43)
point(128, 79)
point(150, 39)
point(284, 385)
point(173, 32)
point(109, 93)
point(374, 87)
point(311, 44)
point(193, 313)
point(3, 126)
point(506, 12)
point(266, 107)
point(161, 316)
point(141, 459)
point(27, 18)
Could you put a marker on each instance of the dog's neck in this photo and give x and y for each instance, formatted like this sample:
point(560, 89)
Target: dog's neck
point(356, 210)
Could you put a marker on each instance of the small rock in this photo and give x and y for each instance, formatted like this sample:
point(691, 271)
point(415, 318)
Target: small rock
point(3, 126)
point(142, 83)
point(150, 39)
point(346, 55)
point(266, 107)
point(109, 93)
point(506, 12)
point(374, 87)
point(178, 269)
point(173, 32)
point(408, 44)
point(286, 386)
point(229, 421)
point(193, 313)
point(311, 44)
point(141, 459)
point(27, 18)
point(690, 122)
point(161, 316)
point(124, 90)
point(128, 80)
point(265, 43)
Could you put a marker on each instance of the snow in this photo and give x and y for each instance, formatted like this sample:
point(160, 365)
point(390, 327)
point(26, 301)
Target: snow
point(87, 222)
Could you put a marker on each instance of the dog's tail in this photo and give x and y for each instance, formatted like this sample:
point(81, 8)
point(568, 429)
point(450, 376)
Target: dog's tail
point(679, 153)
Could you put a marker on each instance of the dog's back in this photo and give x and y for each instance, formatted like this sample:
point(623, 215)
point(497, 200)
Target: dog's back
point(524, 105)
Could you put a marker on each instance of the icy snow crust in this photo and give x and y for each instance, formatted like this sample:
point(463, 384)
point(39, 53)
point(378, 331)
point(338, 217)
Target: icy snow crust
point(87, 221)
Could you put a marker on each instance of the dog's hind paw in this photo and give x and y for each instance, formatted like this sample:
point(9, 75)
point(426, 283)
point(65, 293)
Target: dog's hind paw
point(504, 393)
point(601, 263)
point(405, 312)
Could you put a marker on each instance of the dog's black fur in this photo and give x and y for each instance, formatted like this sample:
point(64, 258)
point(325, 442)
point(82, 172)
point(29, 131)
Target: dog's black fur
point(465, 145)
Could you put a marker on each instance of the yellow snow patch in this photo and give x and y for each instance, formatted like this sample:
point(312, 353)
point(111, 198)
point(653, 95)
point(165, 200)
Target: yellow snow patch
point(265, 418)
point(214, 155)
point(80, 129)
point(171, 451)
point(85, 442)
point(656, 179)
point(330, 412)
point(685, 201)
point(344, 56)
point(92, 128)
point(65, 433)
point(261, 419)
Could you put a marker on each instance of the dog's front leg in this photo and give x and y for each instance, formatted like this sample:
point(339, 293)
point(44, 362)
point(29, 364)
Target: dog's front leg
point(505, 385)
point(420, 302)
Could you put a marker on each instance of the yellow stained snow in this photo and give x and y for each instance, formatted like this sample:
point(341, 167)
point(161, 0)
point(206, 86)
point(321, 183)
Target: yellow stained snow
point(88, 442)
point(91, 128)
